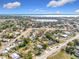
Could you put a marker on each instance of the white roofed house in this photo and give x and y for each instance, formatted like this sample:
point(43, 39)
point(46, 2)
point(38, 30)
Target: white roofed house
point(6, 50)
point(65, 36)
point(16, 34)
point(77, 53)
point(15, 56)
point(68, 33)
point(40, 46)
point(32, 36)
point(5, 40)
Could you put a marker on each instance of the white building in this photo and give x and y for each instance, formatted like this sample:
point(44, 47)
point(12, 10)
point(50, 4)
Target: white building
point(15, 56)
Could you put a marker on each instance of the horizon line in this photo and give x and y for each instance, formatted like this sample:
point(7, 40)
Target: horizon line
point(39, 14)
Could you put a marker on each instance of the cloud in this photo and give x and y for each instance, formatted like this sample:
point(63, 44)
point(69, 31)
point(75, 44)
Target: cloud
point(77, 11)
point(58, 12)
point(12, 5)
point(39, 11)
point(55, 3)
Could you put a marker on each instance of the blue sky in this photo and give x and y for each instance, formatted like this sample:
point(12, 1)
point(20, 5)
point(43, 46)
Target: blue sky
point(39, 6)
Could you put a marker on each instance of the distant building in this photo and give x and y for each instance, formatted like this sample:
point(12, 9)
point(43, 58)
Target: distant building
point(15, 56)
point(4, 52)
point(77, 53)
point(39, 46)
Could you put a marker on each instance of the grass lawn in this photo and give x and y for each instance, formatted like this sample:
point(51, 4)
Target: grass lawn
point(60, 55)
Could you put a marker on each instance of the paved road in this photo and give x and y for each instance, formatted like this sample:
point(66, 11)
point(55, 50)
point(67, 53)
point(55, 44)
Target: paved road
point(27, 32)
point(56, 48)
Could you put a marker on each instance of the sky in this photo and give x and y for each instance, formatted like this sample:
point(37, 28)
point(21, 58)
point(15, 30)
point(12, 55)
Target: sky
point(39, 6)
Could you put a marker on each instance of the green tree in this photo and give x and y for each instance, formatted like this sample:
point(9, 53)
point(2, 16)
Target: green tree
point(71, 44)
point(37, 51)
point(70, 50)
point(0, 43)
point(76, 42)
point(29, 55)
point(45, 46)
point(49, 36)
point(73, 57)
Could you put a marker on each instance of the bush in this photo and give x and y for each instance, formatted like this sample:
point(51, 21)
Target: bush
point(70, 50)
point(71, 44)
point(29, 56)
point(0, 43)
point(22, 45)
point(37, 51)
point(45, 46)
point(73, 57)
point(49, 36)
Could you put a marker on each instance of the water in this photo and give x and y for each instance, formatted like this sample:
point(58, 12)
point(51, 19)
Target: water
point(45, 20)
point(41, 15)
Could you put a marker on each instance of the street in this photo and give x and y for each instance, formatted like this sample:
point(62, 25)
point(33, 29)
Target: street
point(56, 48)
